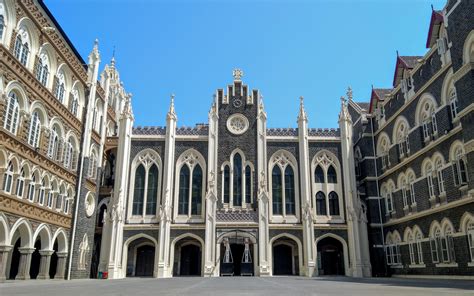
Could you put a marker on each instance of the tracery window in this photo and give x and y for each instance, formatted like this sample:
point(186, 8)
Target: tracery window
point(35, 130)
point(12, 114)
point(283, 185)
point(427, 118)
point(238, 173)
point(8, 178)
point(190, 193)
point(326, 185)
point(146, 188)
point(401, 138)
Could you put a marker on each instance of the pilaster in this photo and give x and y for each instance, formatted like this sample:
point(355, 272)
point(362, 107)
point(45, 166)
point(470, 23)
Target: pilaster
point(166, 203)
point(308, 231)
point(262, 193)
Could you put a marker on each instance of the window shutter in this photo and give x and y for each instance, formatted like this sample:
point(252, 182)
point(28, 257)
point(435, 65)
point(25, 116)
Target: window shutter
point(455, 173)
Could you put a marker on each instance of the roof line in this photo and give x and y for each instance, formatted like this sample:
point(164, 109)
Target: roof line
point(55, 22)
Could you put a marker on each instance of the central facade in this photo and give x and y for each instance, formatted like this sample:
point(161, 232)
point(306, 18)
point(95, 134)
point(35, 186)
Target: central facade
point(232, 197)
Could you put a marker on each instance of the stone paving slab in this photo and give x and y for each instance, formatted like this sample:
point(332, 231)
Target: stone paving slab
point(274, 286)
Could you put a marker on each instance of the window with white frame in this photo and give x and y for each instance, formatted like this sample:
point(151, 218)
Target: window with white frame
point(20, 183)
point(470, 239)
point(402, 138)
point(190, 190)
point(392, 251)
point(383, 150)
point(326, 185)
point(439, 174)
point(283, 186)
point(429, 179)
point(21, 49)
point(42, 69)
point(74, 106)
point(411, 185)
point(60, 199)
point(35, 130)
point(418, 240)
point(51, 194)
point(2, 26)
point(92, 173)
point(146, 190)
point(412, 249)
point(60, 87)
point(8, 178)
point(459, 167)
point(53, 146)
point(12, 113)
point(434, 245)
point(31, 188)
point(447, 245)
point(405, 191)
point(42, 191)
point(238, 173)
point(453, 103)
point(427, 117)
point(68, 154)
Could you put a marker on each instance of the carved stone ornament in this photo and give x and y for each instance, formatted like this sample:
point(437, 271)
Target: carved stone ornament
point(89, 205)
point(325, 160)
point(237, 124)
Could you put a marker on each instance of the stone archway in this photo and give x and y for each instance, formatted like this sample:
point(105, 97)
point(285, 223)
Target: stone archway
point(287, 254)
point(330, 256)
point(18, 265)
point(129, 255)
point(187, 256)
point(238, 253)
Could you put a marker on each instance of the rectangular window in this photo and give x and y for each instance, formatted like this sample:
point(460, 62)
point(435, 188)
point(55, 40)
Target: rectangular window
point(440, 181)
point(401, 149)
point(31, 191)
point(405, 194)
point(426, 130)
point(434, 250)
point(411, 247)
point(434, 124)
point(452, 255)
point(412, 193)
point(454, 108)
point(420, 252)
point(407, 143)
point(388, 201)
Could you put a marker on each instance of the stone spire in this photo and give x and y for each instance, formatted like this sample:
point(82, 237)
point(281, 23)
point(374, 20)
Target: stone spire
point(302, 113)
point(344, 114)
point(171, 111)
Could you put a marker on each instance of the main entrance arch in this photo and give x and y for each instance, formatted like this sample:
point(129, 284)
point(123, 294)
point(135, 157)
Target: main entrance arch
point(139, 256)
point(237, 251)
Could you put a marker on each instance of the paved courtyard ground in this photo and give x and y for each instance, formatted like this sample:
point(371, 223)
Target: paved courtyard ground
point(194, 286)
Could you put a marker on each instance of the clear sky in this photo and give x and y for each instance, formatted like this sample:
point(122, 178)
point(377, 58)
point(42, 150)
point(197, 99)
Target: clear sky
point(286, 49)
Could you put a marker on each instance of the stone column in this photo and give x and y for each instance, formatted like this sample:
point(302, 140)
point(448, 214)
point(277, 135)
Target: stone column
point(61, 265)
point(4, 252)
point(44, 264)
point(25, 262)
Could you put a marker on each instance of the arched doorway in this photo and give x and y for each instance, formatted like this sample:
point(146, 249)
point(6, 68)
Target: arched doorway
point(330, 257)
point(139, 256)
point(187, 259)
point(145, 260)
point(190, 261)
point(237, 251)
point(285, 256)
point(53, 265)
point(35, 260)
point(15, 260)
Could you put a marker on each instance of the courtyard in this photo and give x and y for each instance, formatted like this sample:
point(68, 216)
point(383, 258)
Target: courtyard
point(240, 286)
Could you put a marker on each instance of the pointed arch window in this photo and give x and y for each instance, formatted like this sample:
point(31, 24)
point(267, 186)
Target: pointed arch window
point(8, 178)
point(74, 102)
point(22, 50)
point(319, 175)
point(321, 203)
point(333, 204)
point(42, 70)
point(226, 184)
point(453, 103)
point(248, 185)
point(196, 195)
point(289, 191)
point(20, 184)
point(12, 114)
point(35, 130)
point(237, 196)
point(31, 189)
point(190, 190)
point(53, 146)
point(139, 191)
point(277, 191)
point(2, 26)
point(332, 175)
point(68, 155)
point(183, 207)
point(60, 87)
point(42, 192)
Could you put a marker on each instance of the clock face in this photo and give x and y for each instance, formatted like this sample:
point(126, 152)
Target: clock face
point(237, 103)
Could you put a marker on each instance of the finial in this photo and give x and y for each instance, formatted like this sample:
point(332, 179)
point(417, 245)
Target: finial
point(349, 93)
point(112, 62)
point(96, 43)
point(343, 100)
point(301, 100)
point(237, 73)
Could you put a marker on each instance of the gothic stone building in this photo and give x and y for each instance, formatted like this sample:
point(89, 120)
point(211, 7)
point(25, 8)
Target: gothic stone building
point(86, 194)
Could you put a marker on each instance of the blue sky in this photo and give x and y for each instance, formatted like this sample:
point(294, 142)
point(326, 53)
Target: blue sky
point(286, 49)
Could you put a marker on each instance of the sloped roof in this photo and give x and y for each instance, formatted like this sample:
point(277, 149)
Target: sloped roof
point(378, 94)
point(404, 62)
point(433, 30)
